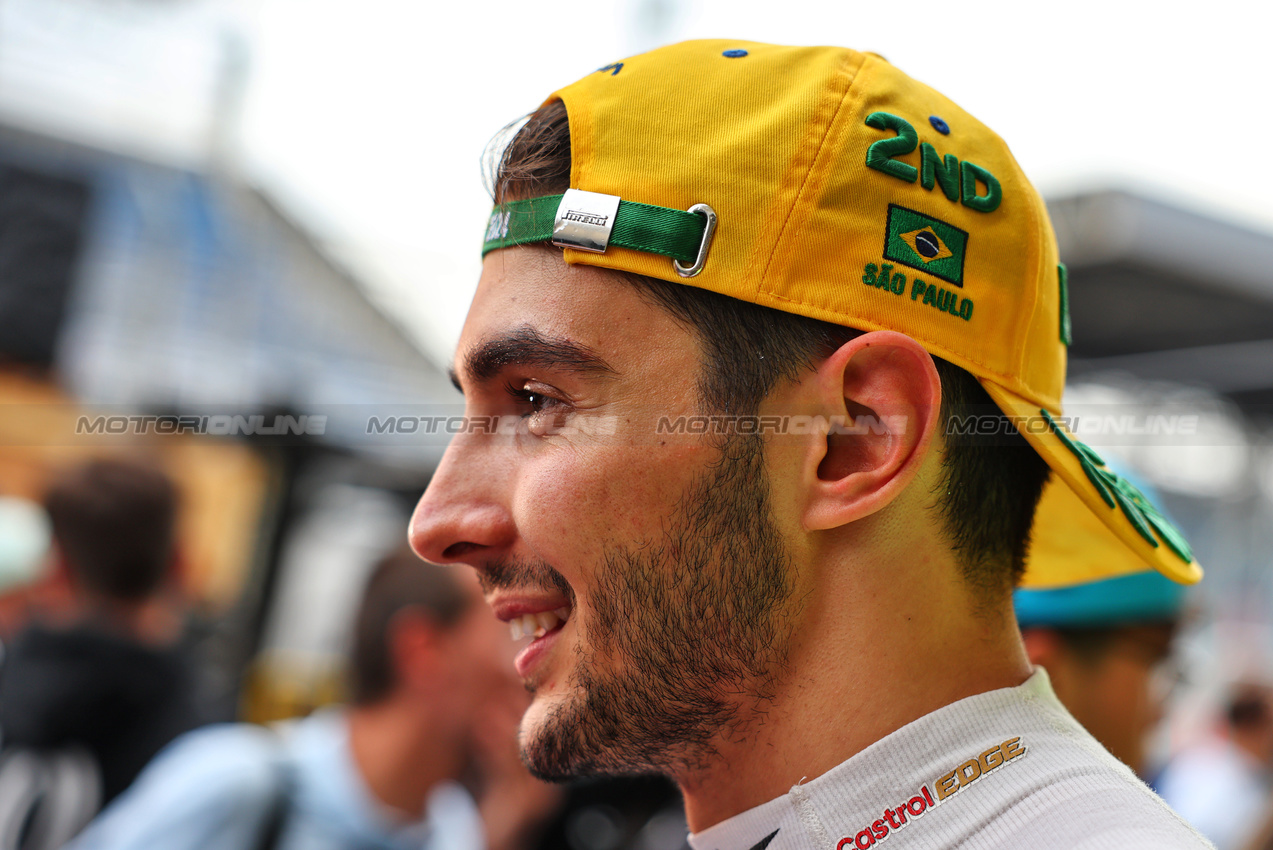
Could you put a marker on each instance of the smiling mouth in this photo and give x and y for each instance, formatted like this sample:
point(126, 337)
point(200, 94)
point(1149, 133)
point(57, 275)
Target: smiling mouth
point(538, 625)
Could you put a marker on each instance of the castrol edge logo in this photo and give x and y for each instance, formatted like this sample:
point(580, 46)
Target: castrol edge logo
point(947, 785)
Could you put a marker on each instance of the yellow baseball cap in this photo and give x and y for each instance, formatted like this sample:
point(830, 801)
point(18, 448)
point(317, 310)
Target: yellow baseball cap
point(825, 182)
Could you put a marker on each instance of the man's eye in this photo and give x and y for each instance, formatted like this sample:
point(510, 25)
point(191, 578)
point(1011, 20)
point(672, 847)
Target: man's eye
point(533, 399)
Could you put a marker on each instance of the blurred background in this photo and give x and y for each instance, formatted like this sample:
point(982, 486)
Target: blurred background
point(266, 215)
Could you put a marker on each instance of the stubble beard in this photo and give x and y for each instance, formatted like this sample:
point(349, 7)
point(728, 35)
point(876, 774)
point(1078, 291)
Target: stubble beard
point(686, 638)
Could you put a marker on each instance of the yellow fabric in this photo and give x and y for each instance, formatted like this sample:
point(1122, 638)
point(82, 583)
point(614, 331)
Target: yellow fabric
point(776, 142)
point(1071, 545)
point(1056, 516)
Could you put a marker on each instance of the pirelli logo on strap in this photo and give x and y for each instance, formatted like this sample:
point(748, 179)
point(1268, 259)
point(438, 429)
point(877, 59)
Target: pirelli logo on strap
point(948, 784)
point(585, 220)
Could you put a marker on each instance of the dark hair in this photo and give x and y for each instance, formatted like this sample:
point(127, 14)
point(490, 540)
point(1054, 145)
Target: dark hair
point(1248, 709)
point(993, 479)
point(1150, 640)
point(113, 521)
point(398, 581)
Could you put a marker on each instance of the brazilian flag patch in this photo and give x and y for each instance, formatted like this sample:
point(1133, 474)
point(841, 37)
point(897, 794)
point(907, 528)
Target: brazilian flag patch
point(925, 243)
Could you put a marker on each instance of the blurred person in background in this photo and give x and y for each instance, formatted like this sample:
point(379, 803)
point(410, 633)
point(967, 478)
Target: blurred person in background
point(1107, 647)
point(430, 673)
point(1222, 784)
point(98, 685)
point(1106, 644)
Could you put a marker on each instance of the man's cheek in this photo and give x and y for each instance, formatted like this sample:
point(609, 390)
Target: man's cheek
point(614, 492)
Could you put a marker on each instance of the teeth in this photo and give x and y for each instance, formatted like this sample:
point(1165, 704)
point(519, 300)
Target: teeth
point(537, 624)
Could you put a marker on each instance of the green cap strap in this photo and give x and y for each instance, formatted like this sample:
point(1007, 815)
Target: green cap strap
point(641, 227)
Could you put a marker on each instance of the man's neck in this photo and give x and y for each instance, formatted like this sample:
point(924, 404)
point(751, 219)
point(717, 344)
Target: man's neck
point(399, 760)
point(880, 645)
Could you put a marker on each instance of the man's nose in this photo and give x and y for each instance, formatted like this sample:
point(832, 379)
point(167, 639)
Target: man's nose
point(463, 516)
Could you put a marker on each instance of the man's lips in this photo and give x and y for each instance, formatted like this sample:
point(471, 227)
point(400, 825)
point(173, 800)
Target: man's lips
point(531, 615)
point(538, 624)
point(530, 656)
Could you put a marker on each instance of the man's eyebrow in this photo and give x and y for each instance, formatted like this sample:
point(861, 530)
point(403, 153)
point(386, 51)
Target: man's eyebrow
point(527, 347)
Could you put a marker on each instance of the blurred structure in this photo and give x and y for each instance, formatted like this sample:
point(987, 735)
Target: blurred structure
point(223, 484)
point(1171, 370)
point(1163, 293)
point(1173, 315)
point(142, 280)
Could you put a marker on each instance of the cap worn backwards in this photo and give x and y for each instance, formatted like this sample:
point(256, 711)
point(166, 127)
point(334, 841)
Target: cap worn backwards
point(825, 182)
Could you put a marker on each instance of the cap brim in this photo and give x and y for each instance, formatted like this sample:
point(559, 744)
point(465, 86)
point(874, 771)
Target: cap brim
point(1123, 510)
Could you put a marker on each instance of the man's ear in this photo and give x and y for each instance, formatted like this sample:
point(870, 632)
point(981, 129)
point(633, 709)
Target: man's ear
point(884, 396)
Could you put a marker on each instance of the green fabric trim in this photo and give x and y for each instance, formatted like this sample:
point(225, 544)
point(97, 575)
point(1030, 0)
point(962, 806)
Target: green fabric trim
point(641, 227)
point(1063, 282)
point(1168, 532)
point(1117, 491)
point(521, 222)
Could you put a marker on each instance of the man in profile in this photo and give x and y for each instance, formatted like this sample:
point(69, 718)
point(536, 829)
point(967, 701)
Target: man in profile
point(776, 405)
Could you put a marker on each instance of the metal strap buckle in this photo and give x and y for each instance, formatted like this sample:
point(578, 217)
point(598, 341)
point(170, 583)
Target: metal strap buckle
point(708, 232)
point(585, 220)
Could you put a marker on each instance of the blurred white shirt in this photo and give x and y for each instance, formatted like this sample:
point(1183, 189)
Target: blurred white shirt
point(1219, 789)
point(214, 789)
